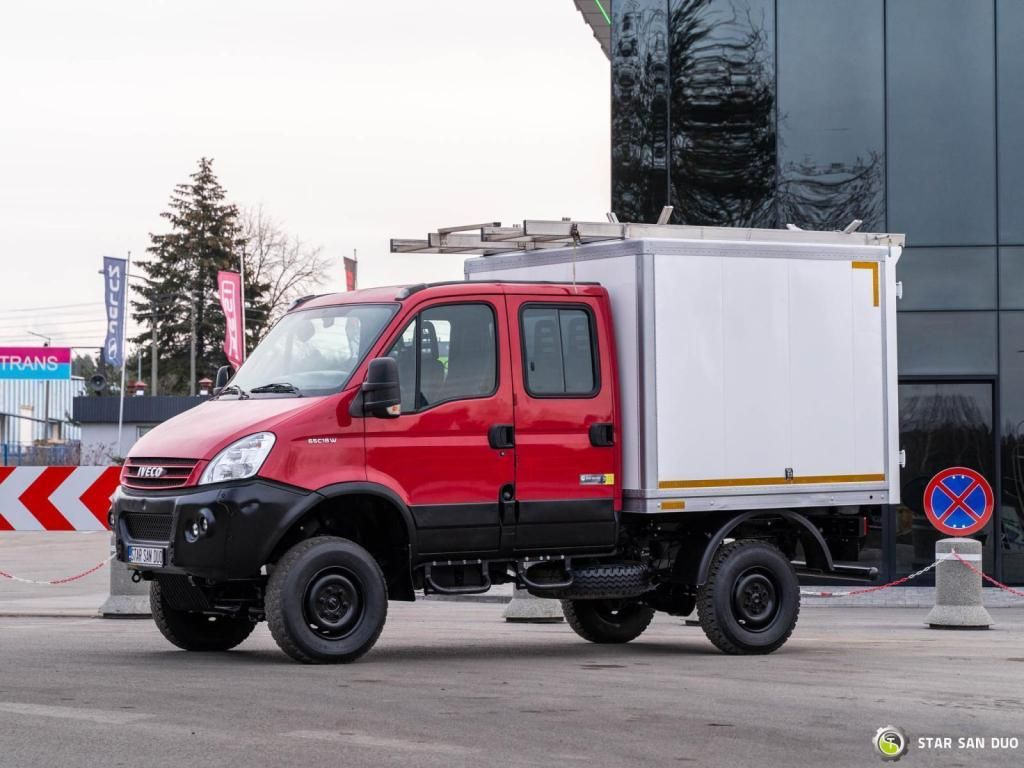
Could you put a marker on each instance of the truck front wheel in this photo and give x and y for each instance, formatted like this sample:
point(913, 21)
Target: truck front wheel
point(751, 600)
point(607, 621)
point(195, 631)
point(326, 601)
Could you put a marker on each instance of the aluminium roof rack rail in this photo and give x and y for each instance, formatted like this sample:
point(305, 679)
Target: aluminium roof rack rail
point(492, 238)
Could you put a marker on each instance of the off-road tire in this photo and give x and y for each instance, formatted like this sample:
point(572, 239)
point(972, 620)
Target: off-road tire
point(194, 631)
point(607, 621)
point(292, 601)
point(740, 566)
point(595, 582)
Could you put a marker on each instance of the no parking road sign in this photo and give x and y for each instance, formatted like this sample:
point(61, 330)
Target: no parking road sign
point(958, 501)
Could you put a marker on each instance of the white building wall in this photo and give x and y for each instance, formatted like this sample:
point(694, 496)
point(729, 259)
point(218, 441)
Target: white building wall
point(18, 397)
point(100, 446)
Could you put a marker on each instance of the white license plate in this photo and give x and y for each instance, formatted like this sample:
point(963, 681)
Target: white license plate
point(146, 556)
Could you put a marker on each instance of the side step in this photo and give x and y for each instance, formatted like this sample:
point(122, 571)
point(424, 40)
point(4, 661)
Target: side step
point(469, 589)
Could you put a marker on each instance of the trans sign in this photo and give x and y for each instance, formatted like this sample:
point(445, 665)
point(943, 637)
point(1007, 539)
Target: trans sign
point(35, 363)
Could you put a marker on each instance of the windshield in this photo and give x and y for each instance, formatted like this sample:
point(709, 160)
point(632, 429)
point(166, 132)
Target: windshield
point(313, 351)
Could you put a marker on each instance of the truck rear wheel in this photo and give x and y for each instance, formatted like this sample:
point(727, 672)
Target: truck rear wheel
point(195, 631)
point(326, 601)
point(607, 621)
point(751, 600)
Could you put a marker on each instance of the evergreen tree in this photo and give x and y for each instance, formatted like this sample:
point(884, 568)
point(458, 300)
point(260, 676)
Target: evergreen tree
point(181, 288)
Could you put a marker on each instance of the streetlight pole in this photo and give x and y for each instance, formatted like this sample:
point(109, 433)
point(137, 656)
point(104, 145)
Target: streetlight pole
point(46, 394)
point(192, 350)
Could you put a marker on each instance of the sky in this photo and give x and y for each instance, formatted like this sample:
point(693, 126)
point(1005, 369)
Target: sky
point(351, 123)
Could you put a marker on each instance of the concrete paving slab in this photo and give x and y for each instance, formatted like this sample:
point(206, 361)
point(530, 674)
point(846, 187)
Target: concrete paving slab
point(452, 684)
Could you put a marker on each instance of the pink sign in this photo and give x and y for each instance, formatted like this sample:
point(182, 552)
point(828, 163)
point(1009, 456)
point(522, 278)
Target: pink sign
point(229, 287)
point(35, 363)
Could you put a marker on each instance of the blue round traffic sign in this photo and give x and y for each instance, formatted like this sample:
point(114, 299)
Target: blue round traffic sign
point(958, 501)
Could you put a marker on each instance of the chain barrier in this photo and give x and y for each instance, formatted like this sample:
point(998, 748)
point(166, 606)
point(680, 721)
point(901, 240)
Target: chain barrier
point(986, 577)
point(866, 590)
point(56, 582)
point(914, 575)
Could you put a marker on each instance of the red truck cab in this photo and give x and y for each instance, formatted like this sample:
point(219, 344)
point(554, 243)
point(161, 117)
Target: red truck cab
point(442, 437)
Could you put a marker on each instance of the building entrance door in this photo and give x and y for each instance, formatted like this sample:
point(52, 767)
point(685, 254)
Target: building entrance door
point(945, 423)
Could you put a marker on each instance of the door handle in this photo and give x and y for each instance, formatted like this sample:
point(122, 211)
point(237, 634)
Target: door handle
point(602, 434)
point(501, 436)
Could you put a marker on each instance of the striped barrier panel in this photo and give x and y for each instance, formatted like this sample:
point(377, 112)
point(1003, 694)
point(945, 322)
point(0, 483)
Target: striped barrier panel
point(56, 498)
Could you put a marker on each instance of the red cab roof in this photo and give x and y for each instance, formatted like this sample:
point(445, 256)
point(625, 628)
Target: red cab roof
point(424, 291)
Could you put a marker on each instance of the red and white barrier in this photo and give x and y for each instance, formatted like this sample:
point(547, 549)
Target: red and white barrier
point(56, 498)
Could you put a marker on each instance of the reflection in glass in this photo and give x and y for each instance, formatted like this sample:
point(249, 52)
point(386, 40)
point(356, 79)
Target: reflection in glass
point(723, 133)
point(639, 108)
point(1011, 381)
point(831, 113)
point(695, 124)
point(1010, 98)
point(941, 90)
point(947, 424)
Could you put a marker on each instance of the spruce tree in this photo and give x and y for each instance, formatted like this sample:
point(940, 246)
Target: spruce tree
point(181, 274)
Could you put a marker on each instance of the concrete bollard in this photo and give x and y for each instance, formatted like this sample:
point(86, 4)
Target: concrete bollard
point(958, 600)
point(127, 598)
point(527, 609)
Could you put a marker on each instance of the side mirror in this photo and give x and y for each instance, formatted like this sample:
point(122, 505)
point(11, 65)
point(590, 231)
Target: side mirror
point(224, 374)
point(382, 396)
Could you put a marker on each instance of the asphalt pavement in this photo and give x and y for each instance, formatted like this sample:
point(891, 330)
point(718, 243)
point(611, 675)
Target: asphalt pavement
point(451, 684)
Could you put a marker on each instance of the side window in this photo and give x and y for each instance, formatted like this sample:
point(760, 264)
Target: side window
point(456, 359)
point(558, 351)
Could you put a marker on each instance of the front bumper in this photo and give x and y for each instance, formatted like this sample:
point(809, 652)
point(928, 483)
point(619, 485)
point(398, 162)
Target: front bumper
point(248, 519)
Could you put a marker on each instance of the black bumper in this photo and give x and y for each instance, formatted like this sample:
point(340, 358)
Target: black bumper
point(248, 519)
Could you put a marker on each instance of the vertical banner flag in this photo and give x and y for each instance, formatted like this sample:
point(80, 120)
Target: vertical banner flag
point(350, 273)
point(229, 287)
point(115, 285)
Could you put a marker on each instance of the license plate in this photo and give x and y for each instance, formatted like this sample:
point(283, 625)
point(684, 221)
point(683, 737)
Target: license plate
point(146, 556)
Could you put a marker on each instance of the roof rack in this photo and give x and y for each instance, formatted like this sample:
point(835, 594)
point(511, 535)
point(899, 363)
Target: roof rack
point(492, 238)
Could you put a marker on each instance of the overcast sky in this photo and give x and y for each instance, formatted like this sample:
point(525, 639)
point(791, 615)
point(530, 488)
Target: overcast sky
point(350, 122)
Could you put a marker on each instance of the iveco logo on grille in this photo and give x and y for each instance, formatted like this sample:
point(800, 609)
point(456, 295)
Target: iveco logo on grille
point(150, 472)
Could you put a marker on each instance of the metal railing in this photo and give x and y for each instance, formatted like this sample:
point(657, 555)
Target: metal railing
point(32, 455)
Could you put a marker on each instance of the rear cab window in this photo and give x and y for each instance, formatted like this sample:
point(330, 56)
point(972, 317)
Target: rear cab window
point(559, 350)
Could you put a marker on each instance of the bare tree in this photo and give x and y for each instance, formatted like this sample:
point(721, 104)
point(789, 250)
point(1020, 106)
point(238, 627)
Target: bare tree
point(289, 266)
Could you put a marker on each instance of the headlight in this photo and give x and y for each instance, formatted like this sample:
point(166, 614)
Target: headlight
point(242, 459)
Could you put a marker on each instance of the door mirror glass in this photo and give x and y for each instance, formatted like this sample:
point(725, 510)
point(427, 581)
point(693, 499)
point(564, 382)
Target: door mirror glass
point(382, 394)
point(224, 374)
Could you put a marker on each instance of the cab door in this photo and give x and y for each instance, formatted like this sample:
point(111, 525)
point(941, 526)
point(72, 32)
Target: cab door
point(449, 453)
point(566, 455)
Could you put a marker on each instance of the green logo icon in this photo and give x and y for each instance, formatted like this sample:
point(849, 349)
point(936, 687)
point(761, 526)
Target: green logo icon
point(891, 743)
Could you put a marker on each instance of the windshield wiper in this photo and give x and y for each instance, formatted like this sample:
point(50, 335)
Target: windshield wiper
point(242, 394)
point(282, 386)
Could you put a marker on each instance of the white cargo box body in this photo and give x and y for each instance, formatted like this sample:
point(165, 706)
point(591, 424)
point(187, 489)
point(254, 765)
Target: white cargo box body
point(753, 374)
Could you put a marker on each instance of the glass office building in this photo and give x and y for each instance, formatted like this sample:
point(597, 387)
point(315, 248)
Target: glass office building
point(907, 114)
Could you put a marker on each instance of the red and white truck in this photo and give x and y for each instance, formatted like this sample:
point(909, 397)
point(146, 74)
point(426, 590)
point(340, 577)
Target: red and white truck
point(629, 418)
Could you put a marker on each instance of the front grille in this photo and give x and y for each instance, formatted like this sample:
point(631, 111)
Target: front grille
point(148, 526)
point(157, 474)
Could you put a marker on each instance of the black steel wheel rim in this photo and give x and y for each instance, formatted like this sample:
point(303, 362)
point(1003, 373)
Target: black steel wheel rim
point(613, 611)
point(755, 601)
point(333, 604)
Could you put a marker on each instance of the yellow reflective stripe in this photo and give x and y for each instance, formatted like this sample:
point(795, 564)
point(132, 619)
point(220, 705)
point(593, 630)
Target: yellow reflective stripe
point(672, 505)
point(805, 480)
point(873, 266)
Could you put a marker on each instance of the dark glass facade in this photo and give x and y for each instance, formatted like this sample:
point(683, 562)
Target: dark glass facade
point(903, 113)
